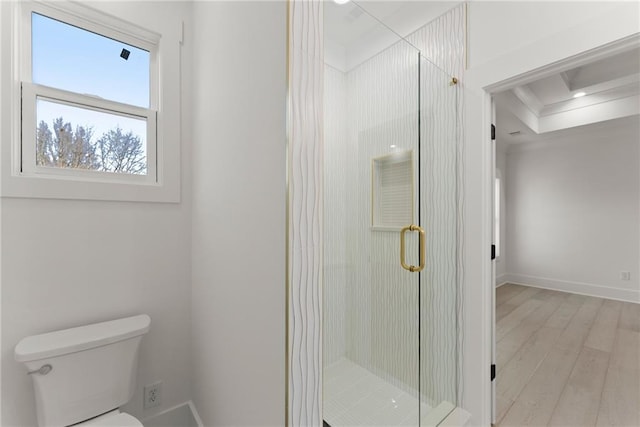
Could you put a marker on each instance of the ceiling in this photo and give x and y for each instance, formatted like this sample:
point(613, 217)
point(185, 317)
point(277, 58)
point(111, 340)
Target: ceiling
point(540, 109)
point(358, 30)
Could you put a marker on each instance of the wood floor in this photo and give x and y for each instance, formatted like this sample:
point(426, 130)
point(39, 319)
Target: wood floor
point(565, 359)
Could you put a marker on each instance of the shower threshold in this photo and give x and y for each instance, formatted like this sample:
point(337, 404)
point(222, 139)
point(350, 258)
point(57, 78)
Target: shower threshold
point(354, 396)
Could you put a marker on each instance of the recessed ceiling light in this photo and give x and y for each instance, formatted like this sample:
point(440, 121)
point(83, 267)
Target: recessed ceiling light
point(392, 146)
point(341, 1)
point(578, 94)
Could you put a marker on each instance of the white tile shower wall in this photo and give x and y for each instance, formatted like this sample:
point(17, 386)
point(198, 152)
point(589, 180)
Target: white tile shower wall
point(67, 263)
point(382, 298)
point(305, 182)
point(439, 213)
point(442, 41)
point(381, 328)
point(336, 266)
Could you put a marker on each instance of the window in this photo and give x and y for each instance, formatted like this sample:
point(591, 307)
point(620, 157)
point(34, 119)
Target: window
point(86, 102)
point(91, 106)
point(392, 192)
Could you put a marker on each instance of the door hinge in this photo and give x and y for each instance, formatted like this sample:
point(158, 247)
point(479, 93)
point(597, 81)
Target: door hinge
point(493, 372)
point(493, 252)
point(493, 132)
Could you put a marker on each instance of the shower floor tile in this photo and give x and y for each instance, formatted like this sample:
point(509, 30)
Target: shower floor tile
point(354, 396)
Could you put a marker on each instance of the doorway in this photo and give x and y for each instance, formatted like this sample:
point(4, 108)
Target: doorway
point(550, 319)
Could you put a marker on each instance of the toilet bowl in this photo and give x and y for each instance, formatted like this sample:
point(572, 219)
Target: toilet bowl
point(81, 376)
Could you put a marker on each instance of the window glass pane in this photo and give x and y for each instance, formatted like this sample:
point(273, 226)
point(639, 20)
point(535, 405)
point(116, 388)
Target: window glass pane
point(73, 59)
point(75, 137)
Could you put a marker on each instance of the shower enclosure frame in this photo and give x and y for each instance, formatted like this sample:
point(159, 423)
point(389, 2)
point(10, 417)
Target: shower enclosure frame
point(304, 213)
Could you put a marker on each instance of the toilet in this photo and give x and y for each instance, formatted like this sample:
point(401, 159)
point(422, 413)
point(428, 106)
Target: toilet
point(81, 376)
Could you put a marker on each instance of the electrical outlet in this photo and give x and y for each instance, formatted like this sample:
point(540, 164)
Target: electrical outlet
point(153, 395)
point(625, 275)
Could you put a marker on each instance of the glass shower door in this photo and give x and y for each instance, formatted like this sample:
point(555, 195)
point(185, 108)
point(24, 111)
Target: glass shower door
point(371, 153)
point(440, 217)
point(390, 350)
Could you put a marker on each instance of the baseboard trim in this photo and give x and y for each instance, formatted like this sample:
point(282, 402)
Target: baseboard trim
point(191, 408)
point(589, 289)
point(195, 413)
point(501, 280)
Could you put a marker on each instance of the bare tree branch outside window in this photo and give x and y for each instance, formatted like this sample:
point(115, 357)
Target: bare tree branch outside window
point(65, 147)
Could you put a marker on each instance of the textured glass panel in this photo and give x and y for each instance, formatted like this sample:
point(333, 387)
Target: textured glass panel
point(81, 138)
point(70, 58)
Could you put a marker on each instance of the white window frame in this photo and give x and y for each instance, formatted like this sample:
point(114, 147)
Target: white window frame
point(32, 92)
point(21, 177)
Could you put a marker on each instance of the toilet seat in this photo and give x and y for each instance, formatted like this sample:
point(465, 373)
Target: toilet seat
point(113, 419)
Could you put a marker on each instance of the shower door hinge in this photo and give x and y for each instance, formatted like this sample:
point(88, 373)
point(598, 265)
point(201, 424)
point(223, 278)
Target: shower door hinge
point(493, 372)
point(493, 132)
point(493, 252)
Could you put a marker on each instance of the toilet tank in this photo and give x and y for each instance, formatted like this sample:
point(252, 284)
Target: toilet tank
point(93, 369)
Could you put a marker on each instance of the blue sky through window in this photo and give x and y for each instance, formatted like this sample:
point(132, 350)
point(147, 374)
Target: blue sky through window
point(73, 59)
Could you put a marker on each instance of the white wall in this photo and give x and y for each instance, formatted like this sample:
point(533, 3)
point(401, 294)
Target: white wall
point(67, 263)
point(239, 81)
point(502, 259)
point(499, 27)
point(507, 39)
point(574, 211)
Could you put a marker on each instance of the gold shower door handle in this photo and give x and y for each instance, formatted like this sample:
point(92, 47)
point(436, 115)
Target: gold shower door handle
point(412, 268)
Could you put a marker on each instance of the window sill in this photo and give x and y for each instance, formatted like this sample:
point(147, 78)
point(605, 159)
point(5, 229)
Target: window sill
point(22, 186)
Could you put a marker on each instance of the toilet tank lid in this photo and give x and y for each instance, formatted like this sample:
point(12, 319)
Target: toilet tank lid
point(72, 340)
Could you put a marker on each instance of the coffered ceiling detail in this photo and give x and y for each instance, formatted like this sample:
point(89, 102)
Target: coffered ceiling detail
point(600, 91)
